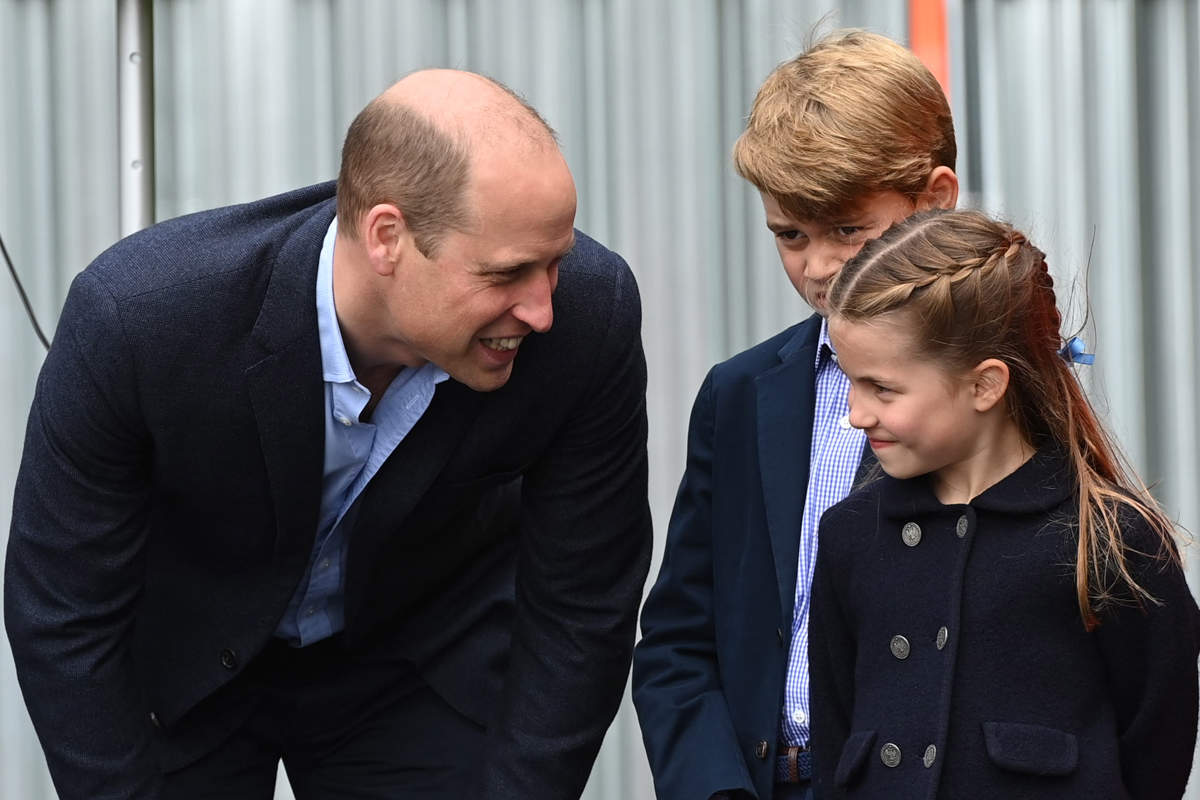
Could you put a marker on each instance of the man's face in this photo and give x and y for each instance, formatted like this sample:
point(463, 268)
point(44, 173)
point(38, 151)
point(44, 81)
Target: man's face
point(813, 251)
point(468, 308)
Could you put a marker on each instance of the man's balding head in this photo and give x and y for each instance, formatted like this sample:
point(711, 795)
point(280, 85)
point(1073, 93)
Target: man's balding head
point(413, 146)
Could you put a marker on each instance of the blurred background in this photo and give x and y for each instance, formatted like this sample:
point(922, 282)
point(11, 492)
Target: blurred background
point(1077, 120)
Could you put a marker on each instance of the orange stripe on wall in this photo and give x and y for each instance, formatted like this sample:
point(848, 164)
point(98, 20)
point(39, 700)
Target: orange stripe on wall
point(927, 36)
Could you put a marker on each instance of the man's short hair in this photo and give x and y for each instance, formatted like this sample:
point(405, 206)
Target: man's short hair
point(395, 154)
point(855, 114)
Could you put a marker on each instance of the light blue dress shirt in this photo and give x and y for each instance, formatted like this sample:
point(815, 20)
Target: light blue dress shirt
point(837, 450)
point(354, 451)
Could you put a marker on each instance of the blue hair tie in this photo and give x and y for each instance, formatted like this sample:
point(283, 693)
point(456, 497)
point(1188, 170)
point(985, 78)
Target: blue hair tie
point(1072, 352)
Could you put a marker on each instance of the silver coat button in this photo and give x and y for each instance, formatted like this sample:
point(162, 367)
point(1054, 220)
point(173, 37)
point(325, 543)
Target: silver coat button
point(911, 534)
point(942, 636)
point(890, 755)
point(961, 526)
point(899, 646)
point(930, 756)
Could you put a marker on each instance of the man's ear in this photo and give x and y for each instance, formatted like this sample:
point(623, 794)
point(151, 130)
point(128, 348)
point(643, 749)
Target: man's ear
point(941, 190)
point(989, 383)
point(385, 237)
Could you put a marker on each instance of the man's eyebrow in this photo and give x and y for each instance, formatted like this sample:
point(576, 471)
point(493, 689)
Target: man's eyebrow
point(566, 251)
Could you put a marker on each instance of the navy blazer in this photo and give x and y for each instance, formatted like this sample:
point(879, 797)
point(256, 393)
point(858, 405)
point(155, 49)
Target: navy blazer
point(709, 670)
point(168, 496)
point(949, 659)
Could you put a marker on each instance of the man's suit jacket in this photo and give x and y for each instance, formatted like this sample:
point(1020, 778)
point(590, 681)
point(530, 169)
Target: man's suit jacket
point(167, 504)
point(709, 671)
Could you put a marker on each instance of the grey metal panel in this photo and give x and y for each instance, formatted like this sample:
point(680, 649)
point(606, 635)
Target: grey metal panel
point(1076, 119)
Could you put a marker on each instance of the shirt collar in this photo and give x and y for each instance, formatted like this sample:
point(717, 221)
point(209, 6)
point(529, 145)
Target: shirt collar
point(824, 345)
point(335, 364)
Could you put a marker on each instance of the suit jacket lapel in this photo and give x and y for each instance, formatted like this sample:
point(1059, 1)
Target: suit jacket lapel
point(283, 376)
point(405, 478)
point(785, 419)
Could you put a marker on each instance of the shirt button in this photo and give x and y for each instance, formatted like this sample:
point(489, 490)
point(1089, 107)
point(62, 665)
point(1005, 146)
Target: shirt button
point(345, 421)
point(911, 534)
point(324, 563)
point(844, 422)
point(760, 749)
point(799, 717)
point(308, 612)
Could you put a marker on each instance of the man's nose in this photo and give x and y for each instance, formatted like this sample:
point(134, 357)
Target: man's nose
point(535, 307)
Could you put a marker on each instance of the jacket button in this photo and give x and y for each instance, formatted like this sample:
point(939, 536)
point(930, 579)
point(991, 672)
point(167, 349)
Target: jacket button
point(960, 527)
point(229, 659)
point(930, 756)
point(899, 647)
point(890, 755)
point(779, 635)
point(760, 749)
point(942, 636)
point(911, 534)
point(154, 720)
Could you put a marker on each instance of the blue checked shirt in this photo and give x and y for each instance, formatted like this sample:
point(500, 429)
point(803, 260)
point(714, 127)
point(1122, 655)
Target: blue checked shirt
point(354, 451)
point(836, 451)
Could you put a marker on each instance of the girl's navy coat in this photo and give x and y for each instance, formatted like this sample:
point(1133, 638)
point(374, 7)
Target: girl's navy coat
point(949, 658)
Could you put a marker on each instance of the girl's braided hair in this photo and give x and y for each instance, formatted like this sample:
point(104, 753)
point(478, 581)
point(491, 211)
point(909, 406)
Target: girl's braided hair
point(977, 288)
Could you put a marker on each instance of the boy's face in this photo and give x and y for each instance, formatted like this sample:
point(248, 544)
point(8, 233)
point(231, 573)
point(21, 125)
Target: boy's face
point(813, 251)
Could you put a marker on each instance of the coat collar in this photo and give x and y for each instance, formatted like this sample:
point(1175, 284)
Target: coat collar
point(1042, 483)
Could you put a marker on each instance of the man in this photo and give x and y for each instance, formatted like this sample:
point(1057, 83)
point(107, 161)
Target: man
point(842, 141)
point(331, 489)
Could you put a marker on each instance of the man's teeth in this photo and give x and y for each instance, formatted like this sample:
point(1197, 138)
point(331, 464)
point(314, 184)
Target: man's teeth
point(506, 343)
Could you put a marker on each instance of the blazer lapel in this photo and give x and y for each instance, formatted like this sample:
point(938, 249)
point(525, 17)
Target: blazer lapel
point(785, 418)
point(286, 390)
point(405, 478)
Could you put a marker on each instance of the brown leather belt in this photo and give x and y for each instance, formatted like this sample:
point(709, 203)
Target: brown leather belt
point(794, 764)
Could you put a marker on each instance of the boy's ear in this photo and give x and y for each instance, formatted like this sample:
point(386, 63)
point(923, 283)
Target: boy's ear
point(941, 190)
point(989, 382)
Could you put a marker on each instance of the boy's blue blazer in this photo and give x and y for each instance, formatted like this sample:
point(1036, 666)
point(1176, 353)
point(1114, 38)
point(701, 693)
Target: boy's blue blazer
point(709, 671)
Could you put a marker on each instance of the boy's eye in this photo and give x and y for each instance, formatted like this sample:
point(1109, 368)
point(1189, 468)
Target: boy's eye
point(848, 231)
point(788, 235)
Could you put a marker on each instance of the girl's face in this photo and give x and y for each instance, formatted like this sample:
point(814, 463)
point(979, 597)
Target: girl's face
point(918, 417)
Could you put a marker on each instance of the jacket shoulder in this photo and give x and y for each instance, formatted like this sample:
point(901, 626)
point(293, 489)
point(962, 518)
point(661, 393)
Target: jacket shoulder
point(755, 360)
point(208, 243)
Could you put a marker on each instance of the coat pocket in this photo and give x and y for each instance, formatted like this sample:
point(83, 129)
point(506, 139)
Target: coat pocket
point(854, 755)
point(1031, 749)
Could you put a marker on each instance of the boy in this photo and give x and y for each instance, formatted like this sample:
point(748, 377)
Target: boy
point(842, 141)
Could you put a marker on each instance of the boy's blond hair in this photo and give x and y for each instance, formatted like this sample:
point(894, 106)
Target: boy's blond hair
point(856, 113)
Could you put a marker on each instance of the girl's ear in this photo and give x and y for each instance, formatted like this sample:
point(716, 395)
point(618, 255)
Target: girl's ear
point(989, 382)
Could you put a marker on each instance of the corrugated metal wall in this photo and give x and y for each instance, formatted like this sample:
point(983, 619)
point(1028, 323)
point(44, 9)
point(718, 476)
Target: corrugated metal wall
point(1077, 119)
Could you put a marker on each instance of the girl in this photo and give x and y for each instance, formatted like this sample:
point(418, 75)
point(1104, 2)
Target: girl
point(1003, 615)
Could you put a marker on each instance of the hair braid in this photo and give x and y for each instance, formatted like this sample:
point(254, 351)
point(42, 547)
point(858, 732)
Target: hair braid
point(972, 288)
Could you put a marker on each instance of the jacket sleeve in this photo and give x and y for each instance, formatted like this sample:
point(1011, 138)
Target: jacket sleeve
point(686, 725)
point(1151, 657)
point(73, 572)
point(831, 657)
point(584, 551)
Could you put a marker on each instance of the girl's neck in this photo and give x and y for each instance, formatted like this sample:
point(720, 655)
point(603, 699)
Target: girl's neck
point(996, 453)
